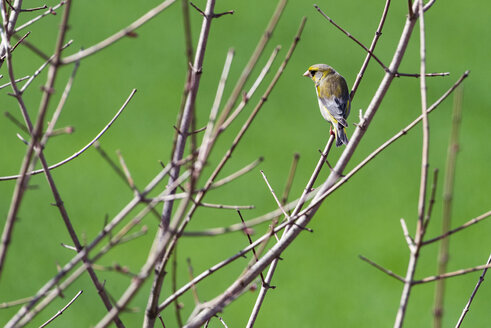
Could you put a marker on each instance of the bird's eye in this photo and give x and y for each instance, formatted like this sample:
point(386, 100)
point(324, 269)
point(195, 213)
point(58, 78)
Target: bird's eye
point(312, 73)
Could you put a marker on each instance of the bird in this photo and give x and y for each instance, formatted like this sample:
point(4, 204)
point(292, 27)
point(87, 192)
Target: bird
point(333, 97)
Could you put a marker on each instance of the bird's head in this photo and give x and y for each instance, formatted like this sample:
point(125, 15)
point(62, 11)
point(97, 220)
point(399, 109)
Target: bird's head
point(318, 72)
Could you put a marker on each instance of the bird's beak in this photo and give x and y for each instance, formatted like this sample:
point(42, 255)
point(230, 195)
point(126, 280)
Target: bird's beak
point(306, 73)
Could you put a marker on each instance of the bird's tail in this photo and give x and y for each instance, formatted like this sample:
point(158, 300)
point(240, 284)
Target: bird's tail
point(341, 137)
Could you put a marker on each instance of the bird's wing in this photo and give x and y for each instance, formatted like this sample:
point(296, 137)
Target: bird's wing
point(336, 107)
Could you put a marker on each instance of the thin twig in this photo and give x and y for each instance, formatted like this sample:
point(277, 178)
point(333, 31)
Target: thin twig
point(465, 225)
point(83, 149)
point(250, 243)
point(18, 80)
point(349, 35)
point(431, 201)
point(119, 35)
point(16, 122)
point(6, 305)
point(228, 207)
point(467, 306)
point(418, 75)
point(409, 240)
point(381, 268)
point(451, 274)
point(48, 60)
point(60, 312)
point(274, 196)
point(246, 96)
point(208, 137)
point(50, 11)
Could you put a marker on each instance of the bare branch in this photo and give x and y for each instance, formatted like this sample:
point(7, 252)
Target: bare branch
point(78, 153)
point(50, 11)
point(349, 35)
point(465, 225)
point(467, 306)
point(274, 196)
point(452, 274)
point(384, 270)
point(62, 310)
point(119, 35)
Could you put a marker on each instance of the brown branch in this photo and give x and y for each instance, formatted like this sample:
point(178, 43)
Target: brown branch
point(256, 258)
point(431, 201)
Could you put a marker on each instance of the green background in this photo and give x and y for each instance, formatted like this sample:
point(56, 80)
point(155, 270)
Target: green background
point(321, 281)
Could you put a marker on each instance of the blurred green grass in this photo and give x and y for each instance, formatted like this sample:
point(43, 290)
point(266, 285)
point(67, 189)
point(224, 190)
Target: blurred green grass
point(321, 281)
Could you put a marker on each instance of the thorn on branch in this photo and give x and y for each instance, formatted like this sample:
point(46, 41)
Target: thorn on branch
point(132, 34)
point(20, 41)
point(213, 15)
point(302, 228)
point(230, 12)
point(202, 13)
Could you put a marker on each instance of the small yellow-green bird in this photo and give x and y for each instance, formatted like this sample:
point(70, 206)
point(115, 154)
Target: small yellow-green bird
point(333, 96)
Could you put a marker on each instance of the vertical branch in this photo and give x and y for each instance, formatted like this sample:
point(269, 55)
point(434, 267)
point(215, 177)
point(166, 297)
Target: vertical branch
point(188, 107)
point(426, 127)
point(187, 114)
point(448, 186)
point(414, 252)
